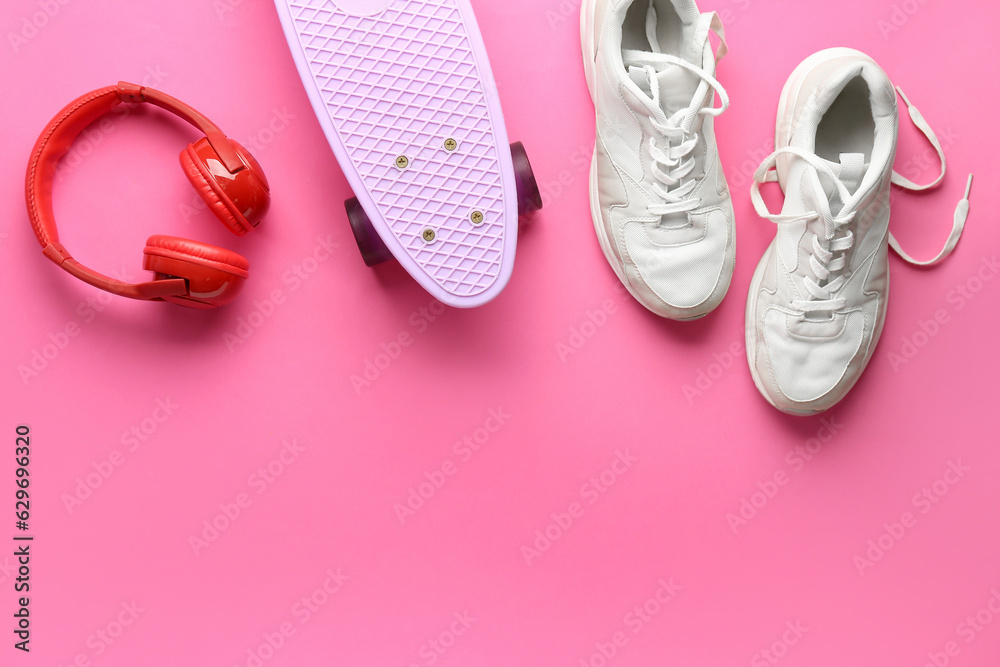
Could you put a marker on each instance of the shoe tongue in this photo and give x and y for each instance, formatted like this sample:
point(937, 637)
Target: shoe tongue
point(671, 87)
point(850, 170)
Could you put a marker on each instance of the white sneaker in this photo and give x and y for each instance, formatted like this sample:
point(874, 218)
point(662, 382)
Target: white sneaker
point(658, 196)
point(818, 298)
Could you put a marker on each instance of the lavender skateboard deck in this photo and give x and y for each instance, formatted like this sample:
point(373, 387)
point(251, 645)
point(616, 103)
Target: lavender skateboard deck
point(405, 95)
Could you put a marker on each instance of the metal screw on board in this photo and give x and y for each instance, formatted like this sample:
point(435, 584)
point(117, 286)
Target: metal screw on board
point(429, 235)
point(451, 145)
point(477, 217)
point(402, 162)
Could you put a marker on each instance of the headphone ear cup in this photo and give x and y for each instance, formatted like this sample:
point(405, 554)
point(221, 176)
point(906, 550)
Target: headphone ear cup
point(239, 200)
point(215, 276)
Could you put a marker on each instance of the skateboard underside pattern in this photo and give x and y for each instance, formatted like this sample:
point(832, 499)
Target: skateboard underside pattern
point(405, 93)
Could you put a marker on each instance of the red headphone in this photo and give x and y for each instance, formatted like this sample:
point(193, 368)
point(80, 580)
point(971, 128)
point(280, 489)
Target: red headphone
point(228, 178)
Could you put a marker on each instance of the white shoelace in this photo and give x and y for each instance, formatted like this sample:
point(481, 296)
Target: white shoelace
point(961, 212)
point(828, 258)
point(673, 164)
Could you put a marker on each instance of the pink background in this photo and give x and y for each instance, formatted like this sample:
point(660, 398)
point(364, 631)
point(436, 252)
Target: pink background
point(693, 458)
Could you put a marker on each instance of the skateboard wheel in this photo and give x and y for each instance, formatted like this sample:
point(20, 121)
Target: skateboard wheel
point(529, 197)
point(373, 249)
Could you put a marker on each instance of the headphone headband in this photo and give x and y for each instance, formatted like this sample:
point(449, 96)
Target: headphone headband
point(134, 94)
point(56, 141)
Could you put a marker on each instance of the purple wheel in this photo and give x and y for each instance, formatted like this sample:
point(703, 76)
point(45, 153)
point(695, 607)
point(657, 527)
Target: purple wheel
point(529, 198)
point(373, 249)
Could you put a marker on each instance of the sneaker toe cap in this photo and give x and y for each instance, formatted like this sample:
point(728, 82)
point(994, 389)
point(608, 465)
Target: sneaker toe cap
point(687, 279)
point(809, 371)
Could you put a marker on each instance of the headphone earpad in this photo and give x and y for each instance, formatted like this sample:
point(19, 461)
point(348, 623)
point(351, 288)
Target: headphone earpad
point(239, 200)
point(215, 276)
